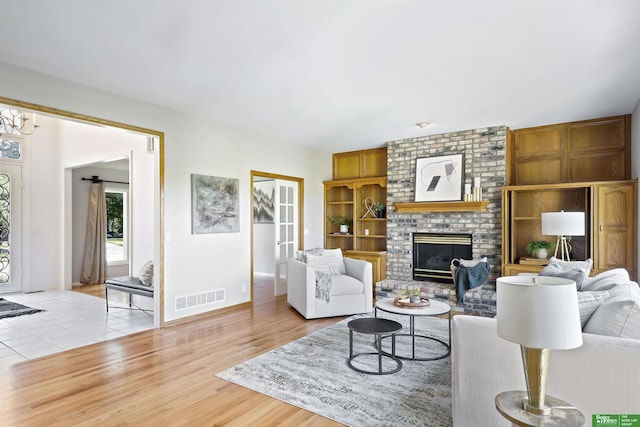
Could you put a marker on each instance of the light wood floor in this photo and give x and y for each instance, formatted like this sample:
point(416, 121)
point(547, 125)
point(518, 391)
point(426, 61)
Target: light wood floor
point(162, 377)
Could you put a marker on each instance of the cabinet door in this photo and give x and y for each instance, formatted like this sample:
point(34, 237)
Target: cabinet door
point(378, 262)
point(615, 227)
point(539, 155)
point(346, 165)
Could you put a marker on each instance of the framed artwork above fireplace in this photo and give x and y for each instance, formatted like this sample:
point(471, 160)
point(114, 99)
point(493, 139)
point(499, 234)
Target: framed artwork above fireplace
point(439, 178)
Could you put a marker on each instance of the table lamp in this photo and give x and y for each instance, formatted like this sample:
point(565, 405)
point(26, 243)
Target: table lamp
point(563, 224)
point(541, 314)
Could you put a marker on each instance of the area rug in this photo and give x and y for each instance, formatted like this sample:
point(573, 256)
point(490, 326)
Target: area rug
point(312, 373)
point(13, 309)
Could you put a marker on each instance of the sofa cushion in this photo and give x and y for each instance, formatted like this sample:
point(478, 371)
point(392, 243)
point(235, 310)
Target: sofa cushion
point(146, 273)
point(336, 253)
point(327, 264)
point(554, 270)
point(588, 303)
point(606, 280)
point(618, 315)
point(346, 285)
point(585, 266)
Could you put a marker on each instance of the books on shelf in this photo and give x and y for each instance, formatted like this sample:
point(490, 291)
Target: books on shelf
point(534, 261)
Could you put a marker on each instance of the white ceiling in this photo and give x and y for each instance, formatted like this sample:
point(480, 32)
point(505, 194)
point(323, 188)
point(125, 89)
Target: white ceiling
point(342, 75)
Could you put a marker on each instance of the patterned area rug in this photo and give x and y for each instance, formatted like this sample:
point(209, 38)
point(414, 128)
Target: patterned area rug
point(13, 309)
point(312, 373)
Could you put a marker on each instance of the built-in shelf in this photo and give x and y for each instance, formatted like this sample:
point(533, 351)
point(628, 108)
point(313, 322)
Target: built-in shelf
point(442, 206)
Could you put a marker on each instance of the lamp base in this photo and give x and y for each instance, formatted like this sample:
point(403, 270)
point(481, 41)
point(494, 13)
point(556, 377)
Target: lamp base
point(545, 410)
point(564, 247)
point(536, 362)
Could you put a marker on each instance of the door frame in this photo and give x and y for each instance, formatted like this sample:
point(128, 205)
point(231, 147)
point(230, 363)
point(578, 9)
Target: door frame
point(300, 181)
point(159, 202)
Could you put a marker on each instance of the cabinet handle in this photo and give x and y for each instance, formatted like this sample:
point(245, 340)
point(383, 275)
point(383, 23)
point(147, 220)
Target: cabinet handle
point(601, 228)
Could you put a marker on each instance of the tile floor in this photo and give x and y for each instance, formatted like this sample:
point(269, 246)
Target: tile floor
point(71, 320)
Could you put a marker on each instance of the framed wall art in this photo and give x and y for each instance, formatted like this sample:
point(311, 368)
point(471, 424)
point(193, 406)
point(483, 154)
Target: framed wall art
point(439, 178)
point(214, 205)
point(263, 199)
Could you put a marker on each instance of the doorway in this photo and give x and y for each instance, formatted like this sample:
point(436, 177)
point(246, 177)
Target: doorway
point(55, 272)
point(277, 224)
point(10, 228)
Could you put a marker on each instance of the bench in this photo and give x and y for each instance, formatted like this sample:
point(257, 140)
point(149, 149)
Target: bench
point(130, 285)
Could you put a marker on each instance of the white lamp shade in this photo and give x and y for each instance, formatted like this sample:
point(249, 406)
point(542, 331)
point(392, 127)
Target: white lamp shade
point(563, 223)
point(542, 315)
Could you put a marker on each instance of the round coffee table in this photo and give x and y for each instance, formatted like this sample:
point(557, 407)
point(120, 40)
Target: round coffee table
point(435, 308)
point(376, 327)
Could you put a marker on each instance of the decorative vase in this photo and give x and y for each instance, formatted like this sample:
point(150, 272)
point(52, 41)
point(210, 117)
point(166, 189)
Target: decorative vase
point(542, 253)
point(344, 228)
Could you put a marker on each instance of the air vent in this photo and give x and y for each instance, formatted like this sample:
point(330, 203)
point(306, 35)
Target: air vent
point(181, 303)
point(203, 298)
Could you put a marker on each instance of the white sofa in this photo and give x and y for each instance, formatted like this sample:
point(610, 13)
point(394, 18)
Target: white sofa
point(351, 292)
point(600, 377)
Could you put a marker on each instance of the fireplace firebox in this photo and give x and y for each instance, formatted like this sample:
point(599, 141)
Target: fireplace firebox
point(433, 252)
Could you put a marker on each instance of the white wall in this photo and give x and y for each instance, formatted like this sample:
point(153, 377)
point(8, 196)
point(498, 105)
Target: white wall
point(43, 211)
point(193, 263)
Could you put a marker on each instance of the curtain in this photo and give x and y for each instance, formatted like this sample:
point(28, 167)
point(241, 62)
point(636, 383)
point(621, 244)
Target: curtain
point(94, 264)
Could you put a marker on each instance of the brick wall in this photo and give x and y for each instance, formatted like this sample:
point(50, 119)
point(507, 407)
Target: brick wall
point(484, 156)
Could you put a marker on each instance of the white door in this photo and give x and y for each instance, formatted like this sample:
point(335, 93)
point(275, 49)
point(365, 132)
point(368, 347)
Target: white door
point(10, 228)
point(286, 230)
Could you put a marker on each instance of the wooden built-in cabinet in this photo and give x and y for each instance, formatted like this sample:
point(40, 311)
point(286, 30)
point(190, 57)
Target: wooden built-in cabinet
point(610, 222)
point(347, 197)
point(358, 175)
point(360, 164)
point(588, 150)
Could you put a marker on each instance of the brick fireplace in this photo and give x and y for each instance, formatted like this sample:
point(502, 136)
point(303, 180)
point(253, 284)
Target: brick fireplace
point(484, 152)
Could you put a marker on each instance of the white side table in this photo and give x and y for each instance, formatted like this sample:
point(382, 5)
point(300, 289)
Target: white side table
point(509, 404)
point(435, 308)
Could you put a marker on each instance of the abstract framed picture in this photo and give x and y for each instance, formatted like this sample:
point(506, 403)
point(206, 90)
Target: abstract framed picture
point(263, 199)
point(439, 178)
point(214, 205)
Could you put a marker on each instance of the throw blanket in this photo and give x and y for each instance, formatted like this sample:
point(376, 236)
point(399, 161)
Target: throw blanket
point(323, 285)
point(469, 278)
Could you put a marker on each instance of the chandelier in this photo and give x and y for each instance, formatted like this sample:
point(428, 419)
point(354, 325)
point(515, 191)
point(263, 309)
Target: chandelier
point(15, 122)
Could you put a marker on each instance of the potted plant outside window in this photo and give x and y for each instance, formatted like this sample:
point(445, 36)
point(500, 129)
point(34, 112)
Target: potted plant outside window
point(539, 248)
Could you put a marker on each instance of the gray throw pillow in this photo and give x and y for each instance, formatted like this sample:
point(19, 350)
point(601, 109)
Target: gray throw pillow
point(576, 275)
point(146, 273)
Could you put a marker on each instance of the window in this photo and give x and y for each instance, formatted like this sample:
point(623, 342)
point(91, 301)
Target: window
point(10, 148)
point(117, 222)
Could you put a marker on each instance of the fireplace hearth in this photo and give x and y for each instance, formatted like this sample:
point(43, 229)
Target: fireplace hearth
point(433, 252)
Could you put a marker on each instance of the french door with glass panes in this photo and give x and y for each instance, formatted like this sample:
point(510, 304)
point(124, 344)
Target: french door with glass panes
point(286, 230)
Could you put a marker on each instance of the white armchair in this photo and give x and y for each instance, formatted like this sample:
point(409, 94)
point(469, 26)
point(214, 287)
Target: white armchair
point(351, 292)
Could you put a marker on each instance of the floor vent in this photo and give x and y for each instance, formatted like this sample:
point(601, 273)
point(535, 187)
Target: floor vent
point(194, 300)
